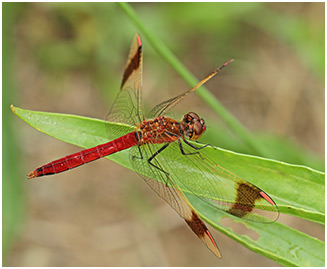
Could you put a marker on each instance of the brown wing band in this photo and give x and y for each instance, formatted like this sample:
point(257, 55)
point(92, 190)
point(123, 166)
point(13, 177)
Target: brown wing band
point(196, 225)
point(244, 204)
point(133, 65)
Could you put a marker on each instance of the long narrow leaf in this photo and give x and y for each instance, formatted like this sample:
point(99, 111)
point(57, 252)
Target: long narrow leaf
point(297, 190)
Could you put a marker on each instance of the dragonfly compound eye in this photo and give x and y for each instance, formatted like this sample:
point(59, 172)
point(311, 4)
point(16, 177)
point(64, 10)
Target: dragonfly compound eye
point(198, 129)
point(190, 117)
point(194, 126)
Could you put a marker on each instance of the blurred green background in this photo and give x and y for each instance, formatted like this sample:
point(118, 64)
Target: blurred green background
point(69, 58)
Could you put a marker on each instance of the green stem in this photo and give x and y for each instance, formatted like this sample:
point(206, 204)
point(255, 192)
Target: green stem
point(207, 96)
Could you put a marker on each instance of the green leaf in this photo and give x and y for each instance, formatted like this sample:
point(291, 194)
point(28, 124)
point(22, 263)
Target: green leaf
point(276, 241)
point(297, 190)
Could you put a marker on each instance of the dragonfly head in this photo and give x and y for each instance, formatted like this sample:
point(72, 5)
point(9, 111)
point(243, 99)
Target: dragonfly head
point(193, 125)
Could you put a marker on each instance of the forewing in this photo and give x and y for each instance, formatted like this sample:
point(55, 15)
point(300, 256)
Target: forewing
point(128, 106)
point(165, 106)
point(197, 174)
point(166, 188)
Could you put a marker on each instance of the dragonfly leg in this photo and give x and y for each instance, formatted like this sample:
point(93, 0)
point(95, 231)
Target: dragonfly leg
point(137, 157)
point(189, 153)
point(156, 154)
point(195, 147)
point(192, 146)
point(205, 145)
point(151, 158)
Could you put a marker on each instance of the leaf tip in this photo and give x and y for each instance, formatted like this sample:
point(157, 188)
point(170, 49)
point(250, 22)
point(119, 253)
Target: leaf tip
point(12, 108)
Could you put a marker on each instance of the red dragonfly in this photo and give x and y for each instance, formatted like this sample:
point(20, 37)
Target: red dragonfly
point(153, 140)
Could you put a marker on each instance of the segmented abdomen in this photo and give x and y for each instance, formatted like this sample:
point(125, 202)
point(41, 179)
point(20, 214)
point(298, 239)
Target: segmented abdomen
point(86, 156)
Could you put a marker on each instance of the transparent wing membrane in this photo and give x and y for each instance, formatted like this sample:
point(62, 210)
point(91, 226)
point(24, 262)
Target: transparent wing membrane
point(167, 189)
point(165, 106)
point(128, 106)
point(219, 188)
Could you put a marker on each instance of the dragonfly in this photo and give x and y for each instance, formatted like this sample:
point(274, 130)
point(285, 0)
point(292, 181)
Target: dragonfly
point(164, 154)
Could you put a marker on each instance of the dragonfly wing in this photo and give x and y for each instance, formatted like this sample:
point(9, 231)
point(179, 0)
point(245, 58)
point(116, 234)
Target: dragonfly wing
point(166, 188)
point(197, 174)
point(128, 106)
point(165, 106)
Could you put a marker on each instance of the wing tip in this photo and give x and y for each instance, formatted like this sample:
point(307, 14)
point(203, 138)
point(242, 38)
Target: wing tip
point(267, 198)
point(215, 248)
point(200, 229)
point(139, 41)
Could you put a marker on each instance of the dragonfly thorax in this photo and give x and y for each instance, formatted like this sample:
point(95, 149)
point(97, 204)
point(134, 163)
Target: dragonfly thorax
point(193, 126)
point(159, 130)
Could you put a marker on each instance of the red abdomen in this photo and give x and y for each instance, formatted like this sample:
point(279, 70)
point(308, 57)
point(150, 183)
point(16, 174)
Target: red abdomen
point(85, 156)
